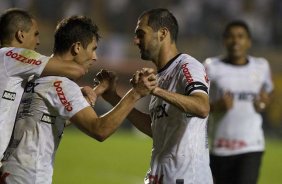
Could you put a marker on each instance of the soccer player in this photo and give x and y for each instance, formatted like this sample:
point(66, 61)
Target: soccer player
point(240, 89)
point(19, 37)
point(179, 106)
point(49, 101)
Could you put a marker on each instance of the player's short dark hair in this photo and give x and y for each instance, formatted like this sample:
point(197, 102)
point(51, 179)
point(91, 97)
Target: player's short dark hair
point(236, 23)
point(11, 21)
point(160, 17)
point(74, 29)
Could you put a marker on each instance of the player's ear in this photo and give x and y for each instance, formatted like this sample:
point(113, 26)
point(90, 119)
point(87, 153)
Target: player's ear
point(163, 32)
point(19, 35)
point(75, 48)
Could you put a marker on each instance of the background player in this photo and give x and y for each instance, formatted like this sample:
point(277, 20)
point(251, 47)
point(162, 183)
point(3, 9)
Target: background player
point(241, 87)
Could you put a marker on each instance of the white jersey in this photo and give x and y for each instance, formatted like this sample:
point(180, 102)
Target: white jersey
point(16, 65)
point(46, 105)
point(239, 130)
point(180, 147)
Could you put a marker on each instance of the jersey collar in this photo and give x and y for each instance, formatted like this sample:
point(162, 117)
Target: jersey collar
point(169, 63)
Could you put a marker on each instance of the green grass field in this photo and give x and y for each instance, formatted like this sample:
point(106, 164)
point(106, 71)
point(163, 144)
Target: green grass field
point(124, 159)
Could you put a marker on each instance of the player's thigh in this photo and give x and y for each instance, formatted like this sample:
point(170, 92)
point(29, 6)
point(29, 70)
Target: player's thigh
point(248, 170)
point(223, 169)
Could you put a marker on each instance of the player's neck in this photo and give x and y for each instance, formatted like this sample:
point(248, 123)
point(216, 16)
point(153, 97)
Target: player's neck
point(64, 57)
point(237, 60)
point(13, 43)
point(166, 54)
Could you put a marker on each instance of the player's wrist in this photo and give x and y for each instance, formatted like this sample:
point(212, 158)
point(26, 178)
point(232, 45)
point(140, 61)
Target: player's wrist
point(111, 97)
point(155, 90)
point(135, 94)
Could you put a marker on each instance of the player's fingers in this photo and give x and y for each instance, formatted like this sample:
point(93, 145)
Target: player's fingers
point(112, 75)
point(147, 71)
point(136, 76)
point(152, 77)
point(153, 83)
point(96, 81)
point(132, 81)
point(99, 75)
point(89, 94)
point(105, 73)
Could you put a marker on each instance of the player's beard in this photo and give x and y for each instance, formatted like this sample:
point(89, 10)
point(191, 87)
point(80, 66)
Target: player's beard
point(145, 55)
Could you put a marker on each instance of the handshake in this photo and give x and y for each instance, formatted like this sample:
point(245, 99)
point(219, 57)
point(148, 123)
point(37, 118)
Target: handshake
point(143, 83)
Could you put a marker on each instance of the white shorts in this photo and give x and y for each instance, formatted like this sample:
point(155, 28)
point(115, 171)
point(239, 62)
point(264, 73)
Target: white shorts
point(179, 170)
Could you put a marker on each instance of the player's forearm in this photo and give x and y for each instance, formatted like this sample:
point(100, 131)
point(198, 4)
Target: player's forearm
point(99, 90)
point(57, 67)
point(195, 104)
point(141, 121)
point(109, 122)
point(113, 99)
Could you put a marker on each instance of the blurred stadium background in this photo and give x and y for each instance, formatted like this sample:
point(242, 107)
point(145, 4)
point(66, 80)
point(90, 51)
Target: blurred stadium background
point(124, 158)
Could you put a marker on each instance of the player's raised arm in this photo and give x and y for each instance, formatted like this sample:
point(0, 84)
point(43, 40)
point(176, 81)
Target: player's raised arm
point(58, 67)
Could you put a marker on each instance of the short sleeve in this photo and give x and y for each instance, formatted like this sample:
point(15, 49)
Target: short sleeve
point(213, 92)
point(194, 77)
point(23, 62)
point(268, 83)
point(67, 97)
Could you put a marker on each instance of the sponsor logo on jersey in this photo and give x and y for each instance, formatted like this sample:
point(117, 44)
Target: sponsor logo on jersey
point(242, 95)
point(62, 97)
point(160, 111)
point(3, 177)
point(189, 115)
point(9, 95)
point(207, 78)
point(230, 144)
point(187, 73)
point(23, 59)
point(179, 181)
point(48, 118)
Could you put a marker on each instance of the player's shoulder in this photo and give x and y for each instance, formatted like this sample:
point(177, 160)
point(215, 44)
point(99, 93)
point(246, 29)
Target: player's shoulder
point(14, 53)
point(257, 60)
point(188, 59)
point(57, 81)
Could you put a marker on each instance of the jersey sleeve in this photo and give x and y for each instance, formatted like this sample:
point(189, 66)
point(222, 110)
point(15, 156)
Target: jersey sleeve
point(194, 77)
point(67, 98)
point(213, 92)
point(23, 62)
point(268, 83)
point(209, 69)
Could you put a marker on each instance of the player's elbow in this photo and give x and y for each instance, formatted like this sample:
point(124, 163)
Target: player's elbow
point(200, 111)
point(100, 138)
point(204, 111)
point(97, 133)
